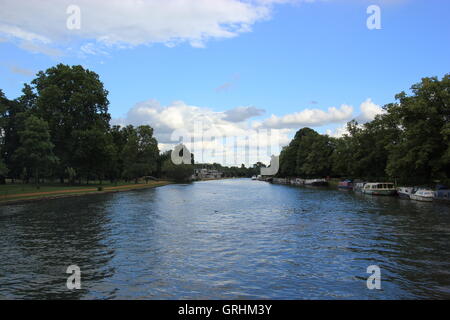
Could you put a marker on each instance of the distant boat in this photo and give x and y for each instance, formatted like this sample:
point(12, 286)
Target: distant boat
point(379, 189)
point(405, 192)
point(345, 185)
point(316, 182)
point(423, 195)
point(442, 195)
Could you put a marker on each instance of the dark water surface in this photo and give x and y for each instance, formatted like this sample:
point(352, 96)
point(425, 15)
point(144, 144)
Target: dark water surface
point(229, 239)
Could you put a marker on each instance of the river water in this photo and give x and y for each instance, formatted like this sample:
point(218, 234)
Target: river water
point(228, 239)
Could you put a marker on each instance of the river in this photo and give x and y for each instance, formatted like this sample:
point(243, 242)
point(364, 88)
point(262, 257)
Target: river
point(227, 239)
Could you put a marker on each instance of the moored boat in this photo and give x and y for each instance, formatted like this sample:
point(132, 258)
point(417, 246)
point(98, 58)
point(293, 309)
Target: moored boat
point(379, 189)
point(345, 185)
point(280, 181)
point(405, 192)
point(423, 195)
point(316, 182)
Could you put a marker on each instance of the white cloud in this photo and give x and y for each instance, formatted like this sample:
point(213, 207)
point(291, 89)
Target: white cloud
point(235, 124)
point(310, 117)
point(369, 111)
point(128, 23)
point(338, 132)
point(21, 34)
point(233, 139)
point(39, 48)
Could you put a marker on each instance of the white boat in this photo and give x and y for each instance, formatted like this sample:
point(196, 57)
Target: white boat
point(316, 182)
point(379, 189)
point(423, 195)
point(405, 192)
point(254, 178)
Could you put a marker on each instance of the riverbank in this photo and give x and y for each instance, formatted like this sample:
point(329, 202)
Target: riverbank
point(15, 194)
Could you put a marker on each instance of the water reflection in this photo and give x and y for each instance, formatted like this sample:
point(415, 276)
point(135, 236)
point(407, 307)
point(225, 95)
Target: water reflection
point(231, 239)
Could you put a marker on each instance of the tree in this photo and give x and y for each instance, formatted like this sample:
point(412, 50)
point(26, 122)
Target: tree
point(423, 146)
point(71, 99)
point(93, 152)
point(140, 153)
point(180, 173)
point(35, 150)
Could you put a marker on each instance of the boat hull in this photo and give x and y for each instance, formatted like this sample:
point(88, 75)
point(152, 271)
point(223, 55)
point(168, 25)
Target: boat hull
point(420, 198)
point(345, 185)
point(380, 192)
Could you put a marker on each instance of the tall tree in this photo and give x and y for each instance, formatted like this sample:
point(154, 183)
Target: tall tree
point(422, 152)
point(15, 114)
point(70, 99)
point(35, 150)
point(93, 153)
point(140, 153)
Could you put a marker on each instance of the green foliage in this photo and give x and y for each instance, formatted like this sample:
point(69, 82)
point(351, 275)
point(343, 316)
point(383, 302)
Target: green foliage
point(71, 174)
point(3, 169)
point(181, 173)
point(59, 127)
point(423, 147)
point(35, 150)
point(72, 100)
point(139, 153)
point(410, 142)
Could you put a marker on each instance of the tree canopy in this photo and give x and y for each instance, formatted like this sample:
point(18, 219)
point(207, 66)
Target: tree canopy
point(409, 142)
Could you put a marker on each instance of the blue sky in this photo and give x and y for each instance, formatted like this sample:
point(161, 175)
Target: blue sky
point(296, 55)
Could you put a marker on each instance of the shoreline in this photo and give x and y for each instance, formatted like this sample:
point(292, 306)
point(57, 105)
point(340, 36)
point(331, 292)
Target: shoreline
point(43, 196)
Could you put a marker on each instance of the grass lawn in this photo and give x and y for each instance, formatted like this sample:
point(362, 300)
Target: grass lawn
point(18, 191)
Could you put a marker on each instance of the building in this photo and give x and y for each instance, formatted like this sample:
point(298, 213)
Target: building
point(200, 174)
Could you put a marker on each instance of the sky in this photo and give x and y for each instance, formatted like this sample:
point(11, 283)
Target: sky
point(240, 66)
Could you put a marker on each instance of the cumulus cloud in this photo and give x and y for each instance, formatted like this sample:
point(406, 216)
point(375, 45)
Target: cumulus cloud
point(211, 136)
point(239, 114)
point(338, 132)
point(369, 111)
point(129, 23)
point(214, 136)
point(310, 117)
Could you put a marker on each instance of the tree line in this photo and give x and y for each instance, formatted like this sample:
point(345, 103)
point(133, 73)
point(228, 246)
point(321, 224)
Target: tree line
point(408, 143)
point(233, 171)
point(59, 129)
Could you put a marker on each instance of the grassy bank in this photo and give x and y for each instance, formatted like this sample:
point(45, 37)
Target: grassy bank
point(16, 193)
